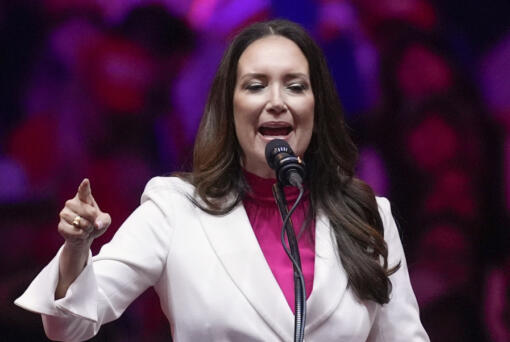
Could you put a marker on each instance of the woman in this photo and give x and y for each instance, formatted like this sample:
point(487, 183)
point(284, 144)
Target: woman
point(205, 239)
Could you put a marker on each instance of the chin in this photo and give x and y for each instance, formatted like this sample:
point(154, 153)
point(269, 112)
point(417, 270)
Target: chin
point(290, 138)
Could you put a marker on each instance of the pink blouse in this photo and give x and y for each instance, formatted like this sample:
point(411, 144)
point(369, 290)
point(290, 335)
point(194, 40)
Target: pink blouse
point(267, 223)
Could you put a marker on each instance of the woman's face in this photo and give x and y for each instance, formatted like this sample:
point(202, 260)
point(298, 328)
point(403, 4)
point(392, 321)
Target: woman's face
point(273, 99)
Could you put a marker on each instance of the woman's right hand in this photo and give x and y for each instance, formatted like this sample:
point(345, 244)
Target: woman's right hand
point(81, 221)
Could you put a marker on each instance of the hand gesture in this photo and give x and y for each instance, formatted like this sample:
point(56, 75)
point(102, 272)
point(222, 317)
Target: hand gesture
point(81, 220)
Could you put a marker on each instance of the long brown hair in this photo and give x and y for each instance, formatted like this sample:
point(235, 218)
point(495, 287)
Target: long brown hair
point(348, 202)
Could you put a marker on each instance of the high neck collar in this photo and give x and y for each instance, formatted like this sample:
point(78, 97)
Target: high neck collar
point(262, 188)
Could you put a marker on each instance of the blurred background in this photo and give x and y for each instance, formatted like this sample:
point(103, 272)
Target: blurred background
point(114, 90)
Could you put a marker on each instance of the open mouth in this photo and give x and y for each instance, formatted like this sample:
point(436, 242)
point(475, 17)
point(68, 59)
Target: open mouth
point(275, 130)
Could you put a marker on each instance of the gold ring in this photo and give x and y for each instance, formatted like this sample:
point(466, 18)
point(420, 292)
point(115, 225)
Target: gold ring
point(76, 221)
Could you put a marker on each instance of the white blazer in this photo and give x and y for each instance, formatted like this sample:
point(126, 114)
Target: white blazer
point(214, 283)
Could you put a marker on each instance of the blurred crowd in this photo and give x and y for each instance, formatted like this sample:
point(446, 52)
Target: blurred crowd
point(114, 91)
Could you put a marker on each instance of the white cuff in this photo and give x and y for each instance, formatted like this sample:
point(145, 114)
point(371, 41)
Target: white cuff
point(39, 297)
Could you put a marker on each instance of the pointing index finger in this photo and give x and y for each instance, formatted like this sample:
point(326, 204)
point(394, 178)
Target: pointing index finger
point(85, 193)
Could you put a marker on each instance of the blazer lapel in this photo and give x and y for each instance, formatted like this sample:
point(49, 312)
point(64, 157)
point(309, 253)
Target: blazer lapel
point(237, 248)
point(330, 280)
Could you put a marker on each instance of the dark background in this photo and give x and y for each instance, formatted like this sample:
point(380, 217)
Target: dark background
point(114, 90)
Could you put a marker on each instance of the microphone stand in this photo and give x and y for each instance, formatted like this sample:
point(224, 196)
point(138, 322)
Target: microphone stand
point(299, 284)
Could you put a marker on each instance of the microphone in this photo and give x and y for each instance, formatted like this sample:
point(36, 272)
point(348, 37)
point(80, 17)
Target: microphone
point(290, 170)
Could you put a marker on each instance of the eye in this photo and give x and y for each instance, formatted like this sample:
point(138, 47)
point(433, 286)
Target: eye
point(253, 87)
point(297, 87)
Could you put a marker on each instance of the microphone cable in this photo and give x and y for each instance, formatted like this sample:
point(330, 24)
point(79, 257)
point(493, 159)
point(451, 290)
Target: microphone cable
point(293, 253)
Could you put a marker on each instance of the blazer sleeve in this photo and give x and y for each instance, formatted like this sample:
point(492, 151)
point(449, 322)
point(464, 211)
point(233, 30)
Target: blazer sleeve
point(125, 267)
point(399, 319)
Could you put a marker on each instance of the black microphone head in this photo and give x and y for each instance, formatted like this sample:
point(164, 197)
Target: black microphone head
point(275, 147)
point(281, 158)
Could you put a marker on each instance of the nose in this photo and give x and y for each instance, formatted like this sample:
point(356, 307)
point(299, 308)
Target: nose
point(276, 103)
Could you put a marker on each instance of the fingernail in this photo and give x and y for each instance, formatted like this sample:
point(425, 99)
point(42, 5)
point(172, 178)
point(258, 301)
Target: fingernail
point(99, 224)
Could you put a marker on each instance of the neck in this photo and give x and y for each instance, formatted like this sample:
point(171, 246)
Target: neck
point(261, 170)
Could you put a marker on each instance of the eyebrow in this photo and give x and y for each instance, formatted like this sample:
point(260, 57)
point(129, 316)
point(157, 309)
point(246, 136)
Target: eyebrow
point(262, 75)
